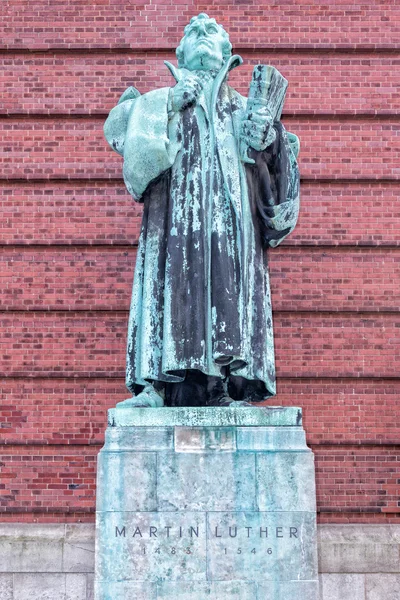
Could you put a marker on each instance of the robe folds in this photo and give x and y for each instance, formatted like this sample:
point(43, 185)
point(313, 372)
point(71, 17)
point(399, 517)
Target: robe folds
point(201, 295)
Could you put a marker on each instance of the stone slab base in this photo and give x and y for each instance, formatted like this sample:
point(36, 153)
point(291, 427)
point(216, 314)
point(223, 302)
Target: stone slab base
point(217, 590)
point(206, 502)
point(56, 562)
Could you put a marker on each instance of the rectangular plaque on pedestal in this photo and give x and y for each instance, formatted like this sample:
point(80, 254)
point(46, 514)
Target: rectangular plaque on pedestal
point(206, 503)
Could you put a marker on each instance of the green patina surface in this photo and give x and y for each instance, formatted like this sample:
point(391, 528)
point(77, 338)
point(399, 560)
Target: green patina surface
point(195, 154)
point(206, 511)
point(206, 416)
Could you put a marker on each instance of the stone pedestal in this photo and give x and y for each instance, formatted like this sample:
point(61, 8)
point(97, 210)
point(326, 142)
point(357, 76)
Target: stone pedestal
point(206, 503)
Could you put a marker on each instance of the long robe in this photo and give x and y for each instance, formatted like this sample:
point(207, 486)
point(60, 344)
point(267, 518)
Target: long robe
point(201, 296)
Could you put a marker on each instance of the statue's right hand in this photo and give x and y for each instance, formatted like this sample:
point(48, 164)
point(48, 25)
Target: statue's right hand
point(186, 92)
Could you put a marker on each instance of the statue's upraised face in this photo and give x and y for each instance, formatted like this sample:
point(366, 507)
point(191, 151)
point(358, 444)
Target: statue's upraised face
point(204, 45)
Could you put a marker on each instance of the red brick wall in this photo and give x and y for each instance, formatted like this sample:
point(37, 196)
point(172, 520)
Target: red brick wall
point(69, 232)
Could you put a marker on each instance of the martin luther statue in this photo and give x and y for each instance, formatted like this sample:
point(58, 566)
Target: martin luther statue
point(219, 182)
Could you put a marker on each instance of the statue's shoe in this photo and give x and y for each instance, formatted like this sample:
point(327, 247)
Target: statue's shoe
point(227, 401)
point(148, 398)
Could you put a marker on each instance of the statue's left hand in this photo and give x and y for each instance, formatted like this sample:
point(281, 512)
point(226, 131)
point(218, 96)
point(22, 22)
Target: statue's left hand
point(257, 128)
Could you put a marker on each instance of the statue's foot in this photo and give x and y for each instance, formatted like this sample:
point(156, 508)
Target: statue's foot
point(148, 398)
point(242, 403)
point(227, 401)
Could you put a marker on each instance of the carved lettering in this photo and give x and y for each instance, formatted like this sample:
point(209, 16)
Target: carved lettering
point(153, 531)
point(137, 532)
point(119, 533)
point(231, 534)
point(220, 531)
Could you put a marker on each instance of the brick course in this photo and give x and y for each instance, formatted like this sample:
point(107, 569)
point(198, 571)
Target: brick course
point(326, 83)
point(57, 148)
point(93, 278)
point(115, 24)
point(365, 213)
point(69, 232)
point(61, 410)
point(310, 344)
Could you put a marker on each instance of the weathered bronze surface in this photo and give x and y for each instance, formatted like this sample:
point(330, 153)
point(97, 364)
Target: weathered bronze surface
point(218, 177)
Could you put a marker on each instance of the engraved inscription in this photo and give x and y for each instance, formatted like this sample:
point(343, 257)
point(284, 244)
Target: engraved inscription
point(274, 544)
point(152, 531)
point(153, 546)
point(217, 545)
point(232, 532)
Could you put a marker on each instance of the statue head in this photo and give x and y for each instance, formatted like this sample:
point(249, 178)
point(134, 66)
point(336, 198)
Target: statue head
point(204, 46)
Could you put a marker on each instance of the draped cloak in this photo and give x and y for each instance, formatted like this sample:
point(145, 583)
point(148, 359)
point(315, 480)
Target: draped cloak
point(201, 296)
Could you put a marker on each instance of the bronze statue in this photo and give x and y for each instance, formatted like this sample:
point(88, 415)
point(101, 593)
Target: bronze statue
point(218, 178)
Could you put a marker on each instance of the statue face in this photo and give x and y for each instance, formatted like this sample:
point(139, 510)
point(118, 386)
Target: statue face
point(203, 46)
